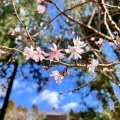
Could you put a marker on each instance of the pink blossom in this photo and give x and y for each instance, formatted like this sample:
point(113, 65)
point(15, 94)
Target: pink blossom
point(4, 1)
point(39, 1)
point(78, 43)
point(56, 54)
point(99, 42)
point(38, 54)
point(75, 51)
point(2, 52)
point(28, 52)
point(41, 9)
point(58, 76)
point(92, 66)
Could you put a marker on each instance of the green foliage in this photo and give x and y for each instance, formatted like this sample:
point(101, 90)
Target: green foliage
point(92, 115)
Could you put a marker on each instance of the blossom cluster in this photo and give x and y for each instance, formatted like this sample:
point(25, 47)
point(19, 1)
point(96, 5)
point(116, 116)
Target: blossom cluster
point(40, 8)
point(92, 66)
point(57, 54)
point(36, 54)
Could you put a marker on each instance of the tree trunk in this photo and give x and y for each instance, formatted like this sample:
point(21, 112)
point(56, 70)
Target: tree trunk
point(6, 100)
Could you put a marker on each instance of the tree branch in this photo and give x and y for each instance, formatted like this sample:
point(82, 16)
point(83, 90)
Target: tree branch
point(78, 88)
point(83, 25)
point(109, 18)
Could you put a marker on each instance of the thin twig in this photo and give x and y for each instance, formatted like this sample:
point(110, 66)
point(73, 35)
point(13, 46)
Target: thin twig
point(85, 26)
point(84, 65)
point(109, 18)
point(107, 27)
point(16, 14)
point(11, 58)
point(78, 88)
point(35, 35)
point(91, 18)
point(11, 49)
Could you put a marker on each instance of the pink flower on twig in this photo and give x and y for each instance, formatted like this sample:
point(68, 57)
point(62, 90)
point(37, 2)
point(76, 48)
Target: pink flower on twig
point(76, 50)
point(99, 42)
point(58, 76)
point(56, 54)
point(39, 1)
point(92, 66)
point(38, 54)
point(41, 9)
point(78, 43)
point(29, 52)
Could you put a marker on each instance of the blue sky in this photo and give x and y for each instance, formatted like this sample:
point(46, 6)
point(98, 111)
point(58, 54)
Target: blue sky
point(25, 93)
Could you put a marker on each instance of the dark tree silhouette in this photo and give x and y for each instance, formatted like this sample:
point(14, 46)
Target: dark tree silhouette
point(5, 104)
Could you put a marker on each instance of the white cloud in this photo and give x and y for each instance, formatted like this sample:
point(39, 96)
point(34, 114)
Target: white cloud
point(19, 84)
point(70, 106)
point(19, 92)
point(35, 86)
point(29, 89)
point(22, 85)
point(15, 84)
point(2, 93)
point(52, 97)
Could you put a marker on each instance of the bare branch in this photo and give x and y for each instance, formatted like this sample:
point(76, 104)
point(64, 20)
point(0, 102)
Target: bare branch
point(109, 18)
point(80, 87)
point(17, 16)
point(35, 35)
point(85, 26)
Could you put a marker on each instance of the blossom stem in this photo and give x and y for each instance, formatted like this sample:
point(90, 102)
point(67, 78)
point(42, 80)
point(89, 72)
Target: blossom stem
point(25, 27)
point(12, 49)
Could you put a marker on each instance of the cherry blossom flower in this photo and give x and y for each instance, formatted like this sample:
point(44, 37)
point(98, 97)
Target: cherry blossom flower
point(76, 50)
point(4, 1)
point(58, 76)
point(39, 1)
point(99, 42)
point(78, 43)
point(92, 66)
point(41, 9)
point(38, 54)
point(2, 52)
point(29, 52)
point(56, 54)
